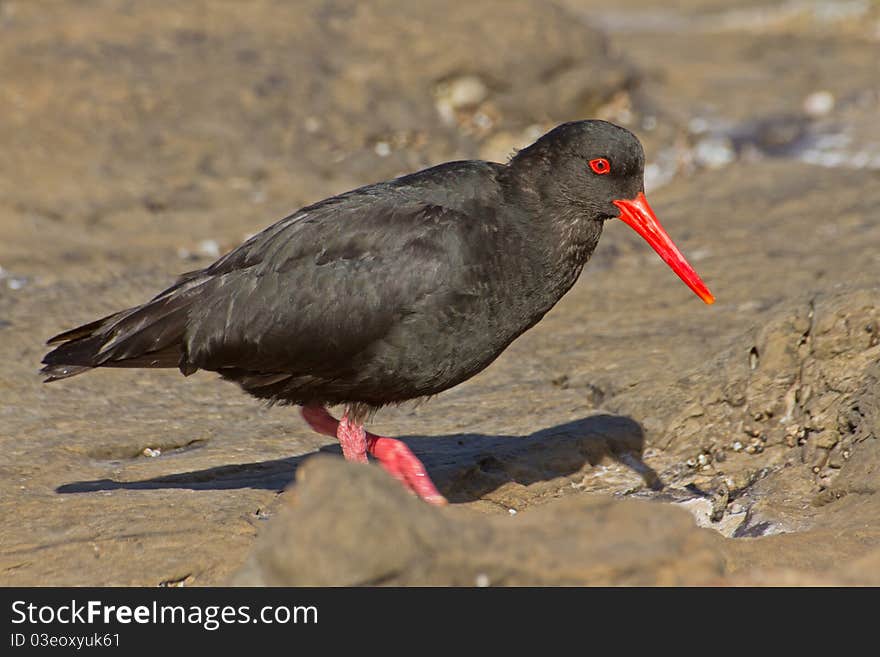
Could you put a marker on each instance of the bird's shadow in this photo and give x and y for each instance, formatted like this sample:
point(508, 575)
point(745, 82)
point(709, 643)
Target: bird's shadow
point(465, 467)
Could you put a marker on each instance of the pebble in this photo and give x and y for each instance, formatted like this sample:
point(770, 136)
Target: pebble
point(151, 453)
point(12, 282)
point(753, 359)
point(756, 446)
point(209, 248)
point(312, 124)
point(720, 498)
point(819, 103)
point(483, 121)
point(714, 152)
point(466, 91)
point(382, 148)
point(482, 580)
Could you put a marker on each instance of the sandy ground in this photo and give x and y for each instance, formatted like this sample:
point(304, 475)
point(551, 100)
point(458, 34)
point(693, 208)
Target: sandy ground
point(633, 436)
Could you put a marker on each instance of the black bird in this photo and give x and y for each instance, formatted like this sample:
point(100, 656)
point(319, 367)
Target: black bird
point(393, 291)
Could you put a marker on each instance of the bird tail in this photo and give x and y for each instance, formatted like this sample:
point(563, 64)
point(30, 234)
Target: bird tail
point(149, 335)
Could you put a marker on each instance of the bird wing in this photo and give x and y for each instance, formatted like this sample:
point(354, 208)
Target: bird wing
point(323, 286)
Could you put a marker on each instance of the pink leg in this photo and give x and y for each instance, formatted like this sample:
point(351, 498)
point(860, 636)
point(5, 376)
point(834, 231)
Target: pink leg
point(320, 420)
point(393, 455)
point(353, 439)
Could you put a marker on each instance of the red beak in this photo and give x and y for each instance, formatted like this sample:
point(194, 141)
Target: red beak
point(639, 215)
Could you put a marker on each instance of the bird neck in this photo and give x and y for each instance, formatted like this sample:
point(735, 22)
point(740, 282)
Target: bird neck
point(563, 235)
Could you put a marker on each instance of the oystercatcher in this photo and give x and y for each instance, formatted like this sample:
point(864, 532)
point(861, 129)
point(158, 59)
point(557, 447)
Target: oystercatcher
point(393, 291)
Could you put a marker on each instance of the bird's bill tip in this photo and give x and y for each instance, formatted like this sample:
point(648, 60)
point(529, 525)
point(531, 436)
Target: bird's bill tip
point(640, 217)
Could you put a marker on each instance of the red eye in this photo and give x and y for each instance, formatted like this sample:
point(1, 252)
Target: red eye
point(600, 165)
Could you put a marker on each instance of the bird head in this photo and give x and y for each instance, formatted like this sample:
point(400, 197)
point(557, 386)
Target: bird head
point(595, 170)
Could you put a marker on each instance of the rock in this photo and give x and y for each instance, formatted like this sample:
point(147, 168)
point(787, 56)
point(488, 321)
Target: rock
point(346, 524)
point(704, 513)
point(826, 439)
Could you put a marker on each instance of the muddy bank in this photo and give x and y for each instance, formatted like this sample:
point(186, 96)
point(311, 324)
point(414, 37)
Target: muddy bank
point(141, 142)
point(349, 525)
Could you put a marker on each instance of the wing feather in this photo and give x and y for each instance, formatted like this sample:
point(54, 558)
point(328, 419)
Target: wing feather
point(328, 286)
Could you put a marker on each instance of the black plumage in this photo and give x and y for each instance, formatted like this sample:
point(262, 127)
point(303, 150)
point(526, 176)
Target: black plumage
point(390, 292)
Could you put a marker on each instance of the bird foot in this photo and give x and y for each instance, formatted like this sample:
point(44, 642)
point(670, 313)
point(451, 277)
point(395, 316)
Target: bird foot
point(393, 455)
point(398, 460)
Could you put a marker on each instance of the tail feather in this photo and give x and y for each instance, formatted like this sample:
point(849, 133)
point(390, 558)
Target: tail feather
point(150, 335)
point(81, 331)
point(58, 372)
point(151, 327)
